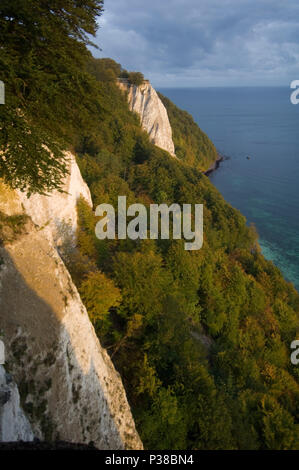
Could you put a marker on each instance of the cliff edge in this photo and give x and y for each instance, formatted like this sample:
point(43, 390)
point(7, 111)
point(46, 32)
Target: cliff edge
point(68, 385)
point(144, 100)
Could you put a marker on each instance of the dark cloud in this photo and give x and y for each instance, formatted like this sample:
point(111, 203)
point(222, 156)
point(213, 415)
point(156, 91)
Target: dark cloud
point(204, 42)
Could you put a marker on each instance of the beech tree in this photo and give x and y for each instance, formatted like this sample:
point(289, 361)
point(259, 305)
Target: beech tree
point(49, 93)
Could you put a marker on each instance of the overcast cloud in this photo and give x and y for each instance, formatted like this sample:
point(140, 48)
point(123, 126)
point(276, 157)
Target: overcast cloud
point(203, 42)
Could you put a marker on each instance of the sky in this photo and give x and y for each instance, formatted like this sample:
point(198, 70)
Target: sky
point(193, 43)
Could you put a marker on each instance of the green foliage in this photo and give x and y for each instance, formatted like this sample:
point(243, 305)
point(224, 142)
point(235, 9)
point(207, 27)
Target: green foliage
point(49, 94)
point(278, 427)
point(11, 226)
point(143, 282)
point(191, 144)
point(164, 424)
point(124, 74)
point(105, 70)
point(99, 294)
point(135, 78)
point(200, 338)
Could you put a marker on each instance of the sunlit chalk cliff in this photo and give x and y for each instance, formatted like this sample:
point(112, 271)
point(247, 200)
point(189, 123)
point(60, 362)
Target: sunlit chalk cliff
point(68, 385)
point(145, 101)
point(54, 213)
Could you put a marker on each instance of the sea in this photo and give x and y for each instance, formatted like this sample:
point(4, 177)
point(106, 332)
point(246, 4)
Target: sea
point(256, 129)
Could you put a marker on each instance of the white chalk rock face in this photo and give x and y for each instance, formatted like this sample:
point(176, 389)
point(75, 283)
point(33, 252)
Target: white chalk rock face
point(145, 101)
point(14, 425)
point(69, 387)
point(71, 390)
point(59, 208)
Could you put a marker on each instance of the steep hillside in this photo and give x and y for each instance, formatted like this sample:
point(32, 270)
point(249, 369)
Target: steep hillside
point(201, 339)
point(144, 100)
point(68, 385)
point(192, 145)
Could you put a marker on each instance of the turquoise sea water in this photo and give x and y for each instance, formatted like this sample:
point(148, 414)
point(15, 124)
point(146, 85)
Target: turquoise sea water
point(263, 124)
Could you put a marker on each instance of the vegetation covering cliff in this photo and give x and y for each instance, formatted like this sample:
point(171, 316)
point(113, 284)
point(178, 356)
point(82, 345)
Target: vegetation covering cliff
point(192, 145)
point(201, 339)
point(69, 388)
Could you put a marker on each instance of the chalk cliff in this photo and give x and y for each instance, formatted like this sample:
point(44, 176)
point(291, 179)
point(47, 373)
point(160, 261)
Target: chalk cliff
point(68, 385)
point(14, 425)
point(55, 212)
point(145, 101)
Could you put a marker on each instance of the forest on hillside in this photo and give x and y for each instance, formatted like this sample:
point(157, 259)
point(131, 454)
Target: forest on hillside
point(201, 339)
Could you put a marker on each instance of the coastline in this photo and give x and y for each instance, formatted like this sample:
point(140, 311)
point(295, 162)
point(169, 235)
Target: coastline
point(215, 165)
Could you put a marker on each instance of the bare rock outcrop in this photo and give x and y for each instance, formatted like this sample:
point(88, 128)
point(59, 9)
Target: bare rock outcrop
point(68, 385)
point(144, 100)
point(58, 209)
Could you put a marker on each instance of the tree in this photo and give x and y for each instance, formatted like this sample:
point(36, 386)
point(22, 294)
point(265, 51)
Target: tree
point(124, 74)
point(136, 78)
point(42, 63)
point(280, 431)
point(143, 281)
point(106, 70)
point(199, 337)
point(99, 294)
point(164, 424)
